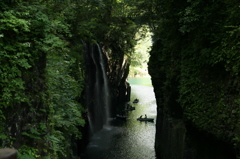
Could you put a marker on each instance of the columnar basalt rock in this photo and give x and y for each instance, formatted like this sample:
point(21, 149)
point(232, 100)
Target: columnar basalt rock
point(176, 137)
point(116, 73)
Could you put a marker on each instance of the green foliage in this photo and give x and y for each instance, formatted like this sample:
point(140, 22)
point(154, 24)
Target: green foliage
point(26, 152)
point(208, 80)
point(42, 73)
point(65, 113)
point(195, 63)
point(41, 102)
point(140, 56)
point(11, 82)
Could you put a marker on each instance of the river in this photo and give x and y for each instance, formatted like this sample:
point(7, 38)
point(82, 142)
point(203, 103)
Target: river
point(130, 139)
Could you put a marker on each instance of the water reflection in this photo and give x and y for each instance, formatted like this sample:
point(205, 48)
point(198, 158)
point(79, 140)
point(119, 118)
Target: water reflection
point(127, 139)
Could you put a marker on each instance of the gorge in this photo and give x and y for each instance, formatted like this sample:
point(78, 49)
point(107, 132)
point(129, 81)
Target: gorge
point(65, 64)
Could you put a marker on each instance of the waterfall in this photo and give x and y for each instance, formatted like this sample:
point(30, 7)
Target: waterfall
point(98, 89)
point(105, 86)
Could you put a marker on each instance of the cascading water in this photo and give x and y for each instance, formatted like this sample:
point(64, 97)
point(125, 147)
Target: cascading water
point(105, 86)
point(98, 96)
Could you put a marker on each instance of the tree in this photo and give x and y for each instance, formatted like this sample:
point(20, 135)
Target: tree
point(31, 37)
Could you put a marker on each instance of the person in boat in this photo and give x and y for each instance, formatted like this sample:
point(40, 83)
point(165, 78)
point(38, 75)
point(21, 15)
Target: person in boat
point(145, 115)
point(140, 117)
point(136, 100)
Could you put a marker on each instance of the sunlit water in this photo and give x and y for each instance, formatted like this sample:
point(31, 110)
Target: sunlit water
point(130, 139)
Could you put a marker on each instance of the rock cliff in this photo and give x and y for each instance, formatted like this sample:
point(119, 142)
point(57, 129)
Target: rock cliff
point(176, 136)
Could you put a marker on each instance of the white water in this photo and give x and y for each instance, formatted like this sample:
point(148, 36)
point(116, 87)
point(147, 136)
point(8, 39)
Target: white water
point(101, 91)
point(105, 87)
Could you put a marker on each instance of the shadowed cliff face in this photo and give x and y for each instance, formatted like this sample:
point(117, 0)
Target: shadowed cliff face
point(97, 87)
point(105, 84)
point(176, 138)
point(170, 128)
point(118, 69)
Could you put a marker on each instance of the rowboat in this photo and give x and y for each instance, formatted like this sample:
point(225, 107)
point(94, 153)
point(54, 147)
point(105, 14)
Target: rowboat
point(130, 109)
point(136, 100)
point(121, 116)
point(146, 119)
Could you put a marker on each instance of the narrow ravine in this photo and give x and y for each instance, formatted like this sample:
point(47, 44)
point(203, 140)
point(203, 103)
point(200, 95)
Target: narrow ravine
point(131, 138)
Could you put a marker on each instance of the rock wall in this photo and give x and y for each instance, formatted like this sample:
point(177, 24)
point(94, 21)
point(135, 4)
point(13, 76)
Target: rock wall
point(175, 137)
point(117, 71)
point(119, 90)
point(170, 137)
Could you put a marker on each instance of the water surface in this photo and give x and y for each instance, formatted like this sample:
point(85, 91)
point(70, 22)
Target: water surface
point(146, 81)
point(130, 139)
